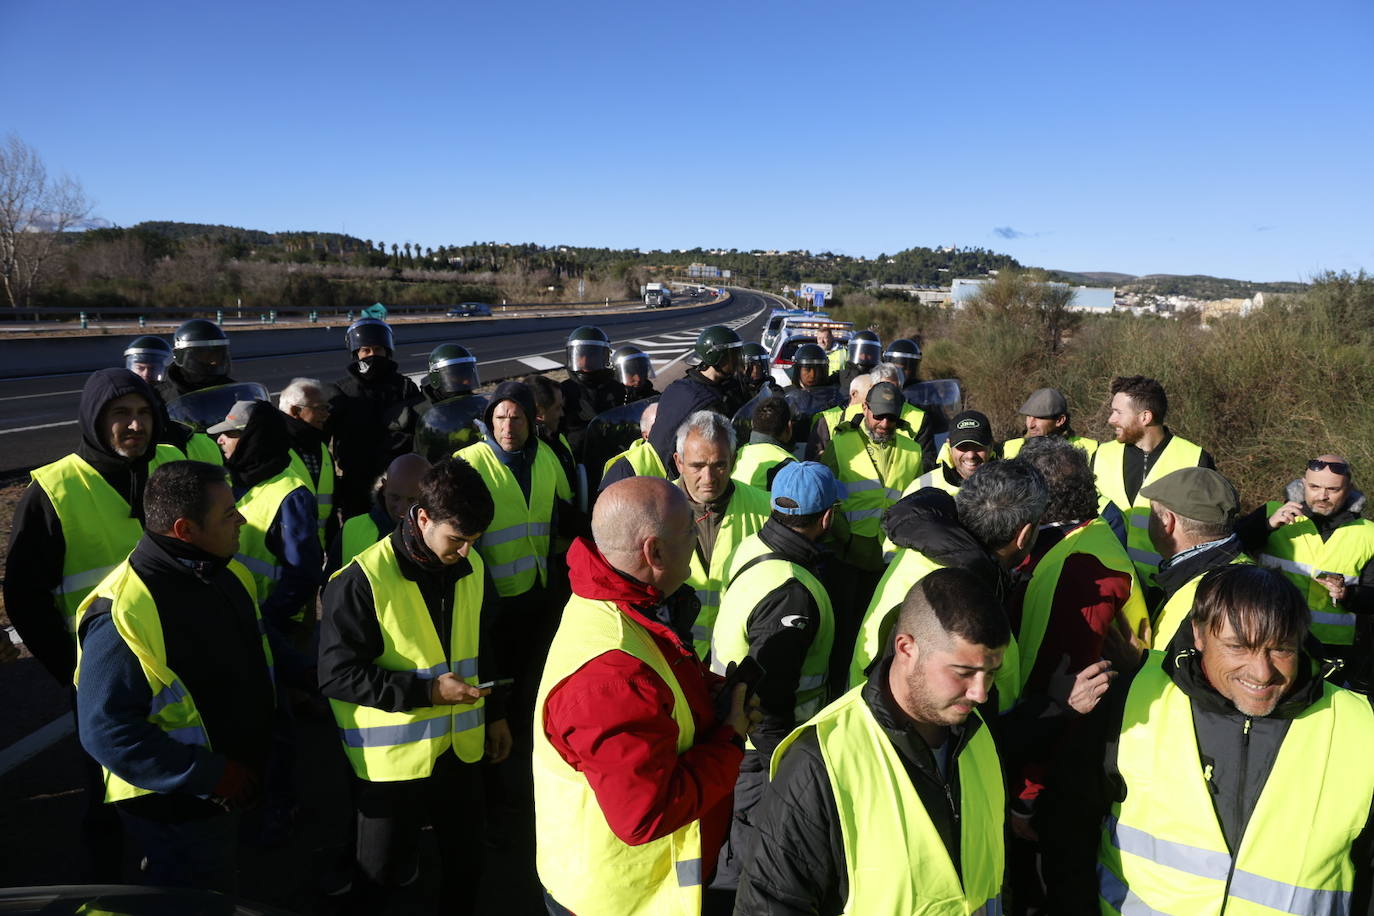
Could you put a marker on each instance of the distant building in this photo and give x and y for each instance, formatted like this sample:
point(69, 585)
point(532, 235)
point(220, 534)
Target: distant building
point(1085, 298)
point(927, 295)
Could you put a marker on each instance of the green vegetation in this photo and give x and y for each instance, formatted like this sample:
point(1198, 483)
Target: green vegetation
point(1263, 393)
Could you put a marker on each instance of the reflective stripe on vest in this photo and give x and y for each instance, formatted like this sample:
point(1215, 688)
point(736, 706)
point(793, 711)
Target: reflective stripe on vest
point(748, 509)
point(1298, 551)
point(98, 531)
point(886, 830)
point(868, 497)
point(1109, 471)
point(259, 507)
point(1162, 849)
point(171, 708)
point(599, 872)
point(386, 746)
point(515, 547)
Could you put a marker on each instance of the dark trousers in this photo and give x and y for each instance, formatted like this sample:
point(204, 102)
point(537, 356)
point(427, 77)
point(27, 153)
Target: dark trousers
point(850, 589)
point(201, 853)
point(525, 627)
point(391, 816)
point(720, 894)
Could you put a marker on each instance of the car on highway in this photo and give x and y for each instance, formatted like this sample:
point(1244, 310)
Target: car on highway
point(773, 324)
point(796, 331)
point(469, 310)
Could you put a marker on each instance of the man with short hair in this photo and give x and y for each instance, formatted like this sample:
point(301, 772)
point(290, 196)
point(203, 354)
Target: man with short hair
point(307, 410)
point(968, 448)
point(725, 512)
point(1193, 512)
point(1047, 414)
point(633, 766)
point(548, 416)
point(1192, 788)
point(890, 800)
point(1143, 450)
point(759, 459)
point(174, 689)
point(395, 493)
point(403, 648)
point(1318, 539)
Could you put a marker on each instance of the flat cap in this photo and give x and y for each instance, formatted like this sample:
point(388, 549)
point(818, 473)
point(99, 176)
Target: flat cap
point(1200, 494)
point(1044, 403)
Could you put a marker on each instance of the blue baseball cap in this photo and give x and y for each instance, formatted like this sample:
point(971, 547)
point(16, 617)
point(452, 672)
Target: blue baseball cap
point(809, 485)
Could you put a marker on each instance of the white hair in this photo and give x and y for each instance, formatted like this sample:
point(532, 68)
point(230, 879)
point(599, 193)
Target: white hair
point(887, 372)
point(707, 424)
point(295, 394)
point(646, 419)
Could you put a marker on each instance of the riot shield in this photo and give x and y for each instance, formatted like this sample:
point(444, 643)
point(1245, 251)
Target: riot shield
point(743, 418)
point(939, 398)
point(608, 434)
point(450, 425)
point(805, 404)
point(202, 409)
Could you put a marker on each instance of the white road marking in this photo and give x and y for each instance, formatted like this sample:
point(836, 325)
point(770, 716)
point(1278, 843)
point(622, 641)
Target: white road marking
point(540, 364)
point(46, 394)
point(25, 429)
point(35, 743)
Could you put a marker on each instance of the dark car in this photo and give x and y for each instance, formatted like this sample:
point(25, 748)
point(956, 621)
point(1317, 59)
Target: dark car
point(470, 310)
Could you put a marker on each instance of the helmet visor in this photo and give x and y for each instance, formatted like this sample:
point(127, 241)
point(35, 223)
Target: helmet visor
point(588, 355)
point(205, 361)
point(865, 353)
point(455, 376)
point(149, 365)
point(634, 369)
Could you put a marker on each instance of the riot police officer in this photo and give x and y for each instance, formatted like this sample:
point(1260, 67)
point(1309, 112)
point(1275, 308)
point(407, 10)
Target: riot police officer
point(810, 368)
point(148, 358)
point(591, 386)
point(200, 359)
point(453, 377)
point(865, 352)
point(755, 371)
point(634, 373)
point(712, 384)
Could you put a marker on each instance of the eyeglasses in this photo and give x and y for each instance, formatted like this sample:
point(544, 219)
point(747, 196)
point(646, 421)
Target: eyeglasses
point(1337, 467)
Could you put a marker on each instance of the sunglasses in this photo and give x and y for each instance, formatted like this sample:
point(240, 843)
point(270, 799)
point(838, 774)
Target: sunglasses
point(1337, 467)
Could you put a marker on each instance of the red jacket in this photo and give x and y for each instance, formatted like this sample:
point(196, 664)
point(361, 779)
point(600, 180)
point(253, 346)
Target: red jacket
point(612, 721)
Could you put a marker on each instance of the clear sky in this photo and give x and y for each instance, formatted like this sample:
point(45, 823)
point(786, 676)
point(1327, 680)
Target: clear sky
point(1156, 136)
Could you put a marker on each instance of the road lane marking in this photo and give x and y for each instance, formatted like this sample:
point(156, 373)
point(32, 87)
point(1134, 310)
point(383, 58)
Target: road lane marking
point(26, 429)
point(540, 364)
point(35, 743)
point(46, 394)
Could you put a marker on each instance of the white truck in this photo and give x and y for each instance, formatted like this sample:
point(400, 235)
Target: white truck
point(656, 295)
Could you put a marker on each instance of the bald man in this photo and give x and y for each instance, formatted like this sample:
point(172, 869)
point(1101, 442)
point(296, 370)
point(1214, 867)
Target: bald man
point(634, 767)
point(392, 496)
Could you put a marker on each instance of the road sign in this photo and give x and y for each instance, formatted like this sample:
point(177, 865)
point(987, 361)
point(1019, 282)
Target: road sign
point(819, 299)
point(809, 290)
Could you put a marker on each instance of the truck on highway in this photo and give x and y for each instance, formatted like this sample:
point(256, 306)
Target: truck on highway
point(656, 295)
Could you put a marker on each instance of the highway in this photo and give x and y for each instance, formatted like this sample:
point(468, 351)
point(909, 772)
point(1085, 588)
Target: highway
point(37, 413)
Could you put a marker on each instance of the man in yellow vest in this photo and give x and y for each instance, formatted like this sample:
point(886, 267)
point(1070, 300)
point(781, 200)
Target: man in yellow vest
point(726, 512)
point(767, 450)
point(174, 688)
point(1318, 539)
point(307, 410)
point(633, 763)
point(969, 447)
point(1193, 513)
point(1225, 776)
point(403, 650)
point(1143, 450)
point(392, 498)
point(890, 800)
point(918, 424)
point(1047, 414)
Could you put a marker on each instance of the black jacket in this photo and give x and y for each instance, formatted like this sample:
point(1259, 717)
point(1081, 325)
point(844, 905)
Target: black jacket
point(1240, 751)
point(797, 864)
point(684, 397)
point(357, 425)
point(176, 383)
point(351, 637)
point(585, 395)
point(927, 521)
point(33, 565)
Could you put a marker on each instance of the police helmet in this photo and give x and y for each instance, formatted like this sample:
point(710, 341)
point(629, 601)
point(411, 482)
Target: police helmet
point(201, 348)
point(808, 356)
point(632, 366)
point(589, 350)
point(148, 358)
point(717, 347)
point(453, 369)
point(755, 357)
point(369, 332)
point(865, 350)
point(905, 354)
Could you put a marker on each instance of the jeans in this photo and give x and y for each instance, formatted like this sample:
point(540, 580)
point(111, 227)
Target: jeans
point(200, 853)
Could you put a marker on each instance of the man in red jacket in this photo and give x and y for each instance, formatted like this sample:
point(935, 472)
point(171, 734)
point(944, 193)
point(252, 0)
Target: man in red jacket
point(633, 769)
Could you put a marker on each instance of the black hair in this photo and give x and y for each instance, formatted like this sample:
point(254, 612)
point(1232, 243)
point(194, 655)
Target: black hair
point(1262, 606)
point(795, 522)
point(179, 489)
point(1145, 393)
point(772, 417)
point(544, 390)
point(453, 491)
point(962, 605)
point(1073, 490)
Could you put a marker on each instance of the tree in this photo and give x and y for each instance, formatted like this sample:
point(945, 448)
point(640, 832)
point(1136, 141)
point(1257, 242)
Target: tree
point(1027, 300)
point(34, 212)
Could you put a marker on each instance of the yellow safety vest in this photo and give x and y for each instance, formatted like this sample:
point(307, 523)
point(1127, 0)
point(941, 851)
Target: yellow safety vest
point(642, 458)
point(323, 490)
point(834, 416)
point(935, 477)
point(730, 636)
point(97, 530)
point(259, 507)
point(1174, 612)
point(836, 359)
point(1109, 468)
point(755, 460)
point(1012, 447)
point(1162, 850)
point(1298, 551)
point(201, 447)
point(869, 494)
point(359, 533)
point(386, 746)
point(134, 615)
point(895, 860)
point(581, 862)
point(1095, 539)
point(516, 545)
point(748, 509)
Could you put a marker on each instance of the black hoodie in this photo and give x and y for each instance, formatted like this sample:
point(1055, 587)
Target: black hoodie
point(518, 463)
point(33, 566)
point(357, 425)
point(927, 521)
point(263, 451)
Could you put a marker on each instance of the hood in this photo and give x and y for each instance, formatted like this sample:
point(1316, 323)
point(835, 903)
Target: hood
point(927, 521)
point(518, 392)
point(262, 449)
point(1296, 493)
point(1183, 664)
point(302, 435)
point(102, 387)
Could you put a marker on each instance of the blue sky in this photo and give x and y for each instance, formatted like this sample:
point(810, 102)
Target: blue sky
point(1228, 138)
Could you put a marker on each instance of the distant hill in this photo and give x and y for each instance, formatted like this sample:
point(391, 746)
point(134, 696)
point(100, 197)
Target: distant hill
point(1199, 286)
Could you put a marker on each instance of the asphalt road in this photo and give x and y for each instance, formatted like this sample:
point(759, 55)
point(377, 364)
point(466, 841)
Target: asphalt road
point(37, 413)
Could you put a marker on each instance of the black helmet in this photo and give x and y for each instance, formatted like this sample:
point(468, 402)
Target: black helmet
point(717, 348)
point(865, 350)
point(905, 354)
point(632, 366)
point(452, 369)
point(808, 355)
point(201, 349)
point(369, 332)
point(148, 358)
point(589, 350)
point(754, 355)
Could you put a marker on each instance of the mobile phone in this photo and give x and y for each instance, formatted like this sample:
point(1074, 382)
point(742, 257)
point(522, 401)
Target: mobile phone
point(499, 682)
point(748, 672)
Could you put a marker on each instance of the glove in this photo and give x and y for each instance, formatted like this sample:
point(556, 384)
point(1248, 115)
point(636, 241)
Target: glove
point(237, 788)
